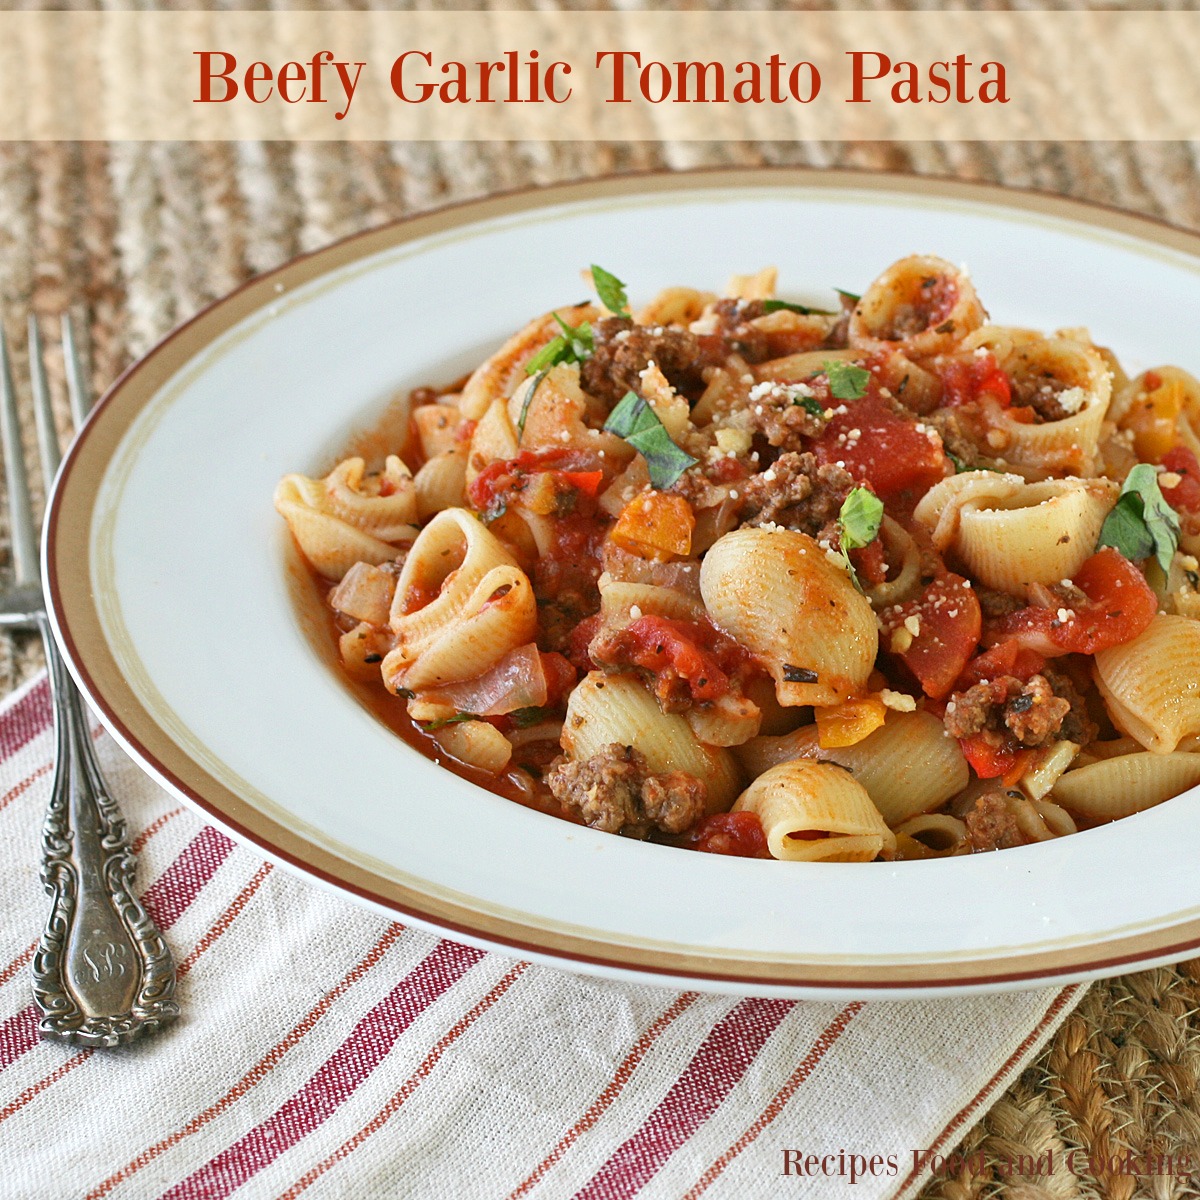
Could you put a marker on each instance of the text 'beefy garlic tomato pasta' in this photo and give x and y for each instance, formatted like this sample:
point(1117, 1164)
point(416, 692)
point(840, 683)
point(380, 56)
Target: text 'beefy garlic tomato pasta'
point(751, 577)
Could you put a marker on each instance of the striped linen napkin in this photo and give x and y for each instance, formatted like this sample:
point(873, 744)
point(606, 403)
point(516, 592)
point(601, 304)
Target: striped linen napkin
point(324, 1051)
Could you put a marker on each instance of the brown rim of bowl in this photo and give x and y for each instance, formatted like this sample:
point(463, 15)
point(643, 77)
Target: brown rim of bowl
point(76, 622)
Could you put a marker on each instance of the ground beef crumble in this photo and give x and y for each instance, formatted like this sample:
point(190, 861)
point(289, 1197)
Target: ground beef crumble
point(991, 821)
point(615, 791)
point(797, 493)
point(623, 350)
point(1077, 725)
point(778, 414)
point(994, 603)
point(1041, 394)
point(1028, 712)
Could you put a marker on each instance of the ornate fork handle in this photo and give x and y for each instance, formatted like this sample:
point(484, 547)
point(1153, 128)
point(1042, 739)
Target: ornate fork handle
point(102, 974)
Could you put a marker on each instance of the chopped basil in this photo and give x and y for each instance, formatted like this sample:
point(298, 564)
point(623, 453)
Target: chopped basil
point(1142, 523)
point(573, 345)
point(858, 523)
point(533, 387)
point(457, 719)
point(635, 421)
point(853, 297)
point(523, 718)
point(770, 306)
point(860, 518)
point(846, 381)
point(611, 291)
point(810, 405)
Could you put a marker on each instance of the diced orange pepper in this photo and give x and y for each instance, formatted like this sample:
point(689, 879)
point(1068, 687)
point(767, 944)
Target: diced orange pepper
point(655, 525)
point(848, 723)
point(1013, 775)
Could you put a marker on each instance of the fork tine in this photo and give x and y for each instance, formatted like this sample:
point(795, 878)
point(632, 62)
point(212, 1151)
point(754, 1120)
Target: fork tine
point(78, 391)
point(20, 516)
point(43, 413)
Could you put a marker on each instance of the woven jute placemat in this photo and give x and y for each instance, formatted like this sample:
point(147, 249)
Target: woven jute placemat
point(133, 238)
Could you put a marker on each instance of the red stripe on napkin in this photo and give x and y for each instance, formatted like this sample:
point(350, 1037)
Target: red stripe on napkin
point(338, 1078)
point(19, 789)
point(720, 1062)
point(17, 1035)
point(389, 1110)
point(26, 719)
point(168, 897)
point(613, 1089)
point(35, 1089)
point(261, 1069)
point(808, 1064)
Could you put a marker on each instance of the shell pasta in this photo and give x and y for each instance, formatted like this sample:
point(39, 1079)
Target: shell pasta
point(868, 579)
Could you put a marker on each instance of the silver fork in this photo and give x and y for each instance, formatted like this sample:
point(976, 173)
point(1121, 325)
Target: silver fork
point(102, 974)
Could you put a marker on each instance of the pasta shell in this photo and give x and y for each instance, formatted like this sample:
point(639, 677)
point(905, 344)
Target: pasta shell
point(777, 593)
point(1117, 787)
point(908, 765)
point(461, 603)
point(343, 518)
point(1066, 445)
point(922, 304)
point(604, 709)
point(1008, 533)
point(802, 797)
point(1152, 683)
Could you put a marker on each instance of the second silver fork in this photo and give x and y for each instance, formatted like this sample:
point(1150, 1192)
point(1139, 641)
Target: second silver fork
point(102, 974)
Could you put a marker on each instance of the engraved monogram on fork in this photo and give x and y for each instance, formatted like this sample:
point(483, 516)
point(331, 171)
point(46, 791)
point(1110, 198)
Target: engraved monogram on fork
point(102, 974)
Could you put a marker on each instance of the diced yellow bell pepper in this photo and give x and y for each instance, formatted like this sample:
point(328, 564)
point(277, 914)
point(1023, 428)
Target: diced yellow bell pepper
point(848, 723)
point(1154, 416)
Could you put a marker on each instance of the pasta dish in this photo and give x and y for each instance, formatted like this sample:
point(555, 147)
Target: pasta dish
point(872, 581)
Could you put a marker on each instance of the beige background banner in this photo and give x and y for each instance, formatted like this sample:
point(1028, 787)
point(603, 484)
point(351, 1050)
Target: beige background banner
point(918, 75)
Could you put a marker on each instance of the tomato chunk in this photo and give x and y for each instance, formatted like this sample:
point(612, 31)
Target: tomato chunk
point(1006, 658)
point(738, 833)
point(1120, 605)
point(700, 655)
point(1185, 495)
point(948, 623)
point(880, 448)
point(987, 759)
point(870, 563)
point(547, 481)
point(965, 381)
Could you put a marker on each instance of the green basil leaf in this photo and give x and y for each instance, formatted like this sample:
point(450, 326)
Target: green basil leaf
point(770, 306)
point(574, 344)
point(611, 291)
point(552, 353)
point(533, 387)
point(810, 405)
point(1142, 523)
point(635, 421)
point(860, 518)
point(854, 297)
point(846, 381)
